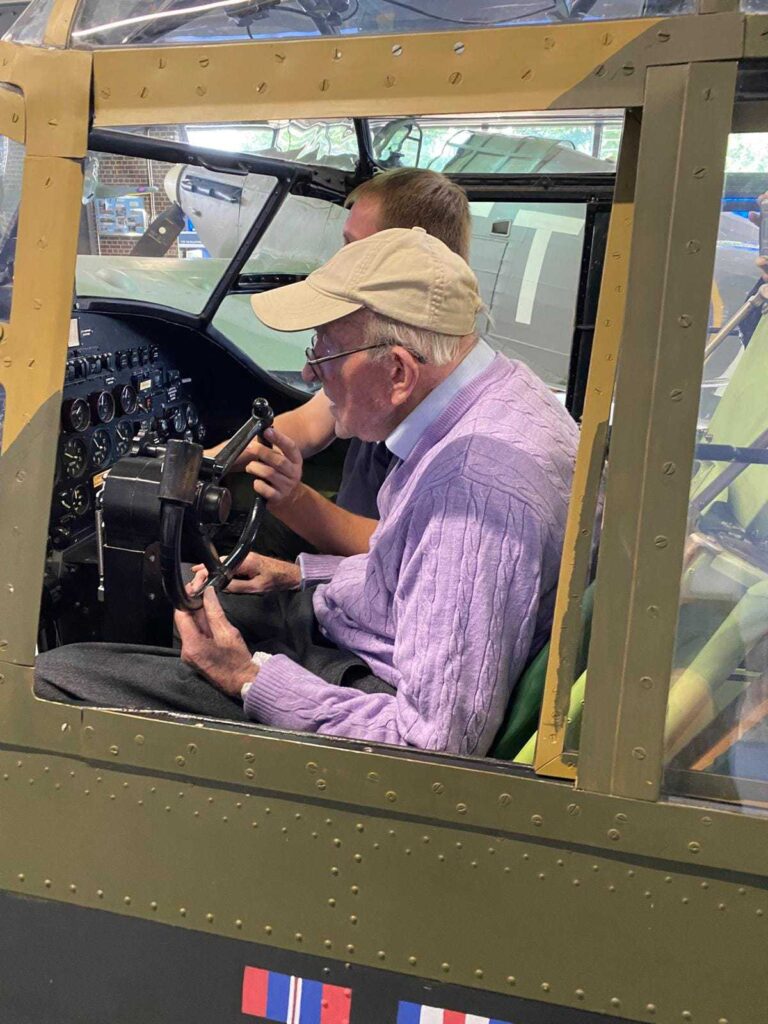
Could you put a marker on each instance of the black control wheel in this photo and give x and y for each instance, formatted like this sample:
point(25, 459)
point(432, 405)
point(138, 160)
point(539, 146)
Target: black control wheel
point(192, 498)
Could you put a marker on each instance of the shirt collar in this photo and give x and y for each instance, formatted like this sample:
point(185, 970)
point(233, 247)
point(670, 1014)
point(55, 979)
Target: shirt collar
point(403, 438)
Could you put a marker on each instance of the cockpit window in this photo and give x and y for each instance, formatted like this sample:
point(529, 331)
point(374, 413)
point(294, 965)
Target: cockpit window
point(29, 27)
point(554, 143)
point(134, 22)
point(160, 232)
point(11, 168)
point(717, 721)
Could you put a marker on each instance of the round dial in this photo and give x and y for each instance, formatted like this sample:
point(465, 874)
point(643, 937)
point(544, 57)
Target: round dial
point(74, 458)
point(76, 501)
point(126, 399)
point(76, 414)
point(123, 437)
point(179, 420)
point(103, 405)
point(101, 448)
point(193, 417)
point(79, 500)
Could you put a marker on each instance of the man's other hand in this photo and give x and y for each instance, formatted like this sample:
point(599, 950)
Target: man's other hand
point(276, 471)
point(257, 575)
point(260, 575)
point(212, 646)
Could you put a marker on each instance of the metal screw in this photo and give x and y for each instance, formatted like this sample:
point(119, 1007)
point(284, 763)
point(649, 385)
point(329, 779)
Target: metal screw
point(458, 47)
point(397, 50)
point(661, 541)
point(455, 78)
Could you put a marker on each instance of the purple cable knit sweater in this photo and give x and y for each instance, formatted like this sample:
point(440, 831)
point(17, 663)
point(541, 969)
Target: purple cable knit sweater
point(457, 590)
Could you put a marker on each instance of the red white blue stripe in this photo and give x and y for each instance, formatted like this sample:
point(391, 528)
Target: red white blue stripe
point(415, 1013)
point(286, 999)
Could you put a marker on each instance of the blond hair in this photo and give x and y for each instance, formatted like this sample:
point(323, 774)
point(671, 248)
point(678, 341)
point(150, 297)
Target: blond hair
point(415, 197)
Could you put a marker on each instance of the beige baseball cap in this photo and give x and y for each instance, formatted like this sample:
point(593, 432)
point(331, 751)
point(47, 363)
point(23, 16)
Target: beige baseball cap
point(401, 273)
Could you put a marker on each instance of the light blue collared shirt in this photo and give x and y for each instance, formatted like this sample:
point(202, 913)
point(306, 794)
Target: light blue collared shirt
point(403, 438)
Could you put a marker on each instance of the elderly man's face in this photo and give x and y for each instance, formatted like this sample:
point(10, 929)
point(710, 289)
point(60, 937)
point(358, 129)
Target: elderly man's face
point(358, 387)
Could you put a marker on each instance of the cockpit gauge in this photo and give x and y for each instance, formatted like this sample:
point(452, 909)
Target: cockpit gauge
point(101, 448)
point(193, 417)
point(76, 502)
point(76, 415)
point(74, 458)
point(126, 399)
point(123, 437)
point(179, 419)
point(79, 500)
point(103, 406)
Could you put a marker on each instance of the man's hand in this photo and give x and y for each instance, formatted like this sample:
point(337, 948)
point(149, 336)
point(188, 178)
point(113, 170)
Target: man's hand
point(257, 575)
point(212, 646)
point(276, 471)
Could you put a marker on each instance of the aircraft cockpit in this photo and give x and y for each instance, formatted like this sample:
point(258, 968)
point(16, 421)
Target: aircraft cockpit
point(180, 225)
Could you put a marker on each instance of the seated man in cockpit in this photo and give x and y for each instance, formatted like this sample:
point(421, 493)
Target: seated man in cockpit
point(401, 198)
point(420, 640)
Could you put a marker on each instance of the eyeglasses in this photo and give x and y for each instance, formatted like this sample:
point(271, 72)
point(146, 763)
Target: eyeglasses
point(314, 360)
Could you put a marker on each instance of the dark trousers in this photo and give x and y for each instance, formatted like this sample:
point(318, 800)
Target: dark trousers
point(132, 677)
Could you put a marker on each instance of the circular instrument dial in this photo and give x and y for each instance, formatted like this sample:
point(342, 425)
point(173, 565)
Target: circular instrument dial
point(75, 502)
point(74, 458)
point(179, 420)
point(123, 437)
point(76, 415)
point(103, 405)
point(81, 500)
point(126, 399)
point(101, 448)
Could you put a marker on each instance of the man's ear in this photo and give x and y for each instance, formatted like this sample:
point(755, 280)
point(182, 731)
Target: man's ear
point(404, 375)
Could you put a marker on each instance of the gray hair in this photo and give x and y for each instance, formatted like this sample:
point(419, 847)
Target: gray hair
point(437, 349)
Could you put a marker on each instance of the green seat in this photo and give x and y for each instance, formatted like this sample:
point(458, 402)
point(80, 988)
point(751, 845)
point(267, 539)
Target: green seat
point(522, 717)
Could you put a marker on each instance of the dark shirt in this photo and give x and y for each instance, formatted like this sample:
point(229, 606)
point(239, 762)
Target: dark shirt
point(365, 468)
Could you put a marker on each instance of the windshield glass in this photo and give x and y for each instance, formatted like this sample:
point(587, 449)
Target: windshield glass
point(160, 232)
point(134, 22)
point(562, 143)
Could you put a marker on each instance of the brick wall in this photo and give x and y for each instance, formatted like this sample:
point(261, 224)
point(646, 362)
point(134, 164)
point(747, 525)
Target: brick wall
point(134, 172)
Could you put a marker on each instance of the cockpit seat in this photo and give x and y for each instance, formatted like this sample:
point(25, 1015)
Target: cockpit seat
point(515, 739)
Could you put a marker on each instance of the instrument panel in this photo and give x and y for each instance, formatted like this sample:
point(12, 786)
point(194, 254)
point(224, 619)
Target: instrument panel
point(112, 394)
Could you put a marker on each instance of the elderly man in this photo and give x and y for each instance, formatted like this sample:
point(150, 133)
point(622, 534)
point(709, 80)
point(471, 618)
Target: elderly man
point(401, 198)
point(420, 641)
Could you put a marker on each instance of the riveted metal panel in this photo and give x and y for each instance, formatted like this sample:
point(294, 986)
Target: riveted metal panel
point(314, 878)
point(13, 121)
point(687, 117)
point(461, 794)
point(522, 68)
point(56, 86)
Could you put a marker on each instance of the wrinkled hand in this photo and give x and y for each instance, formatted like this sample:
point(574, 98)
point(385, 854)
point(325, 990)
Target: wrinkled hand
point(276, 471)
point(212, 646)
point(257, 575)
